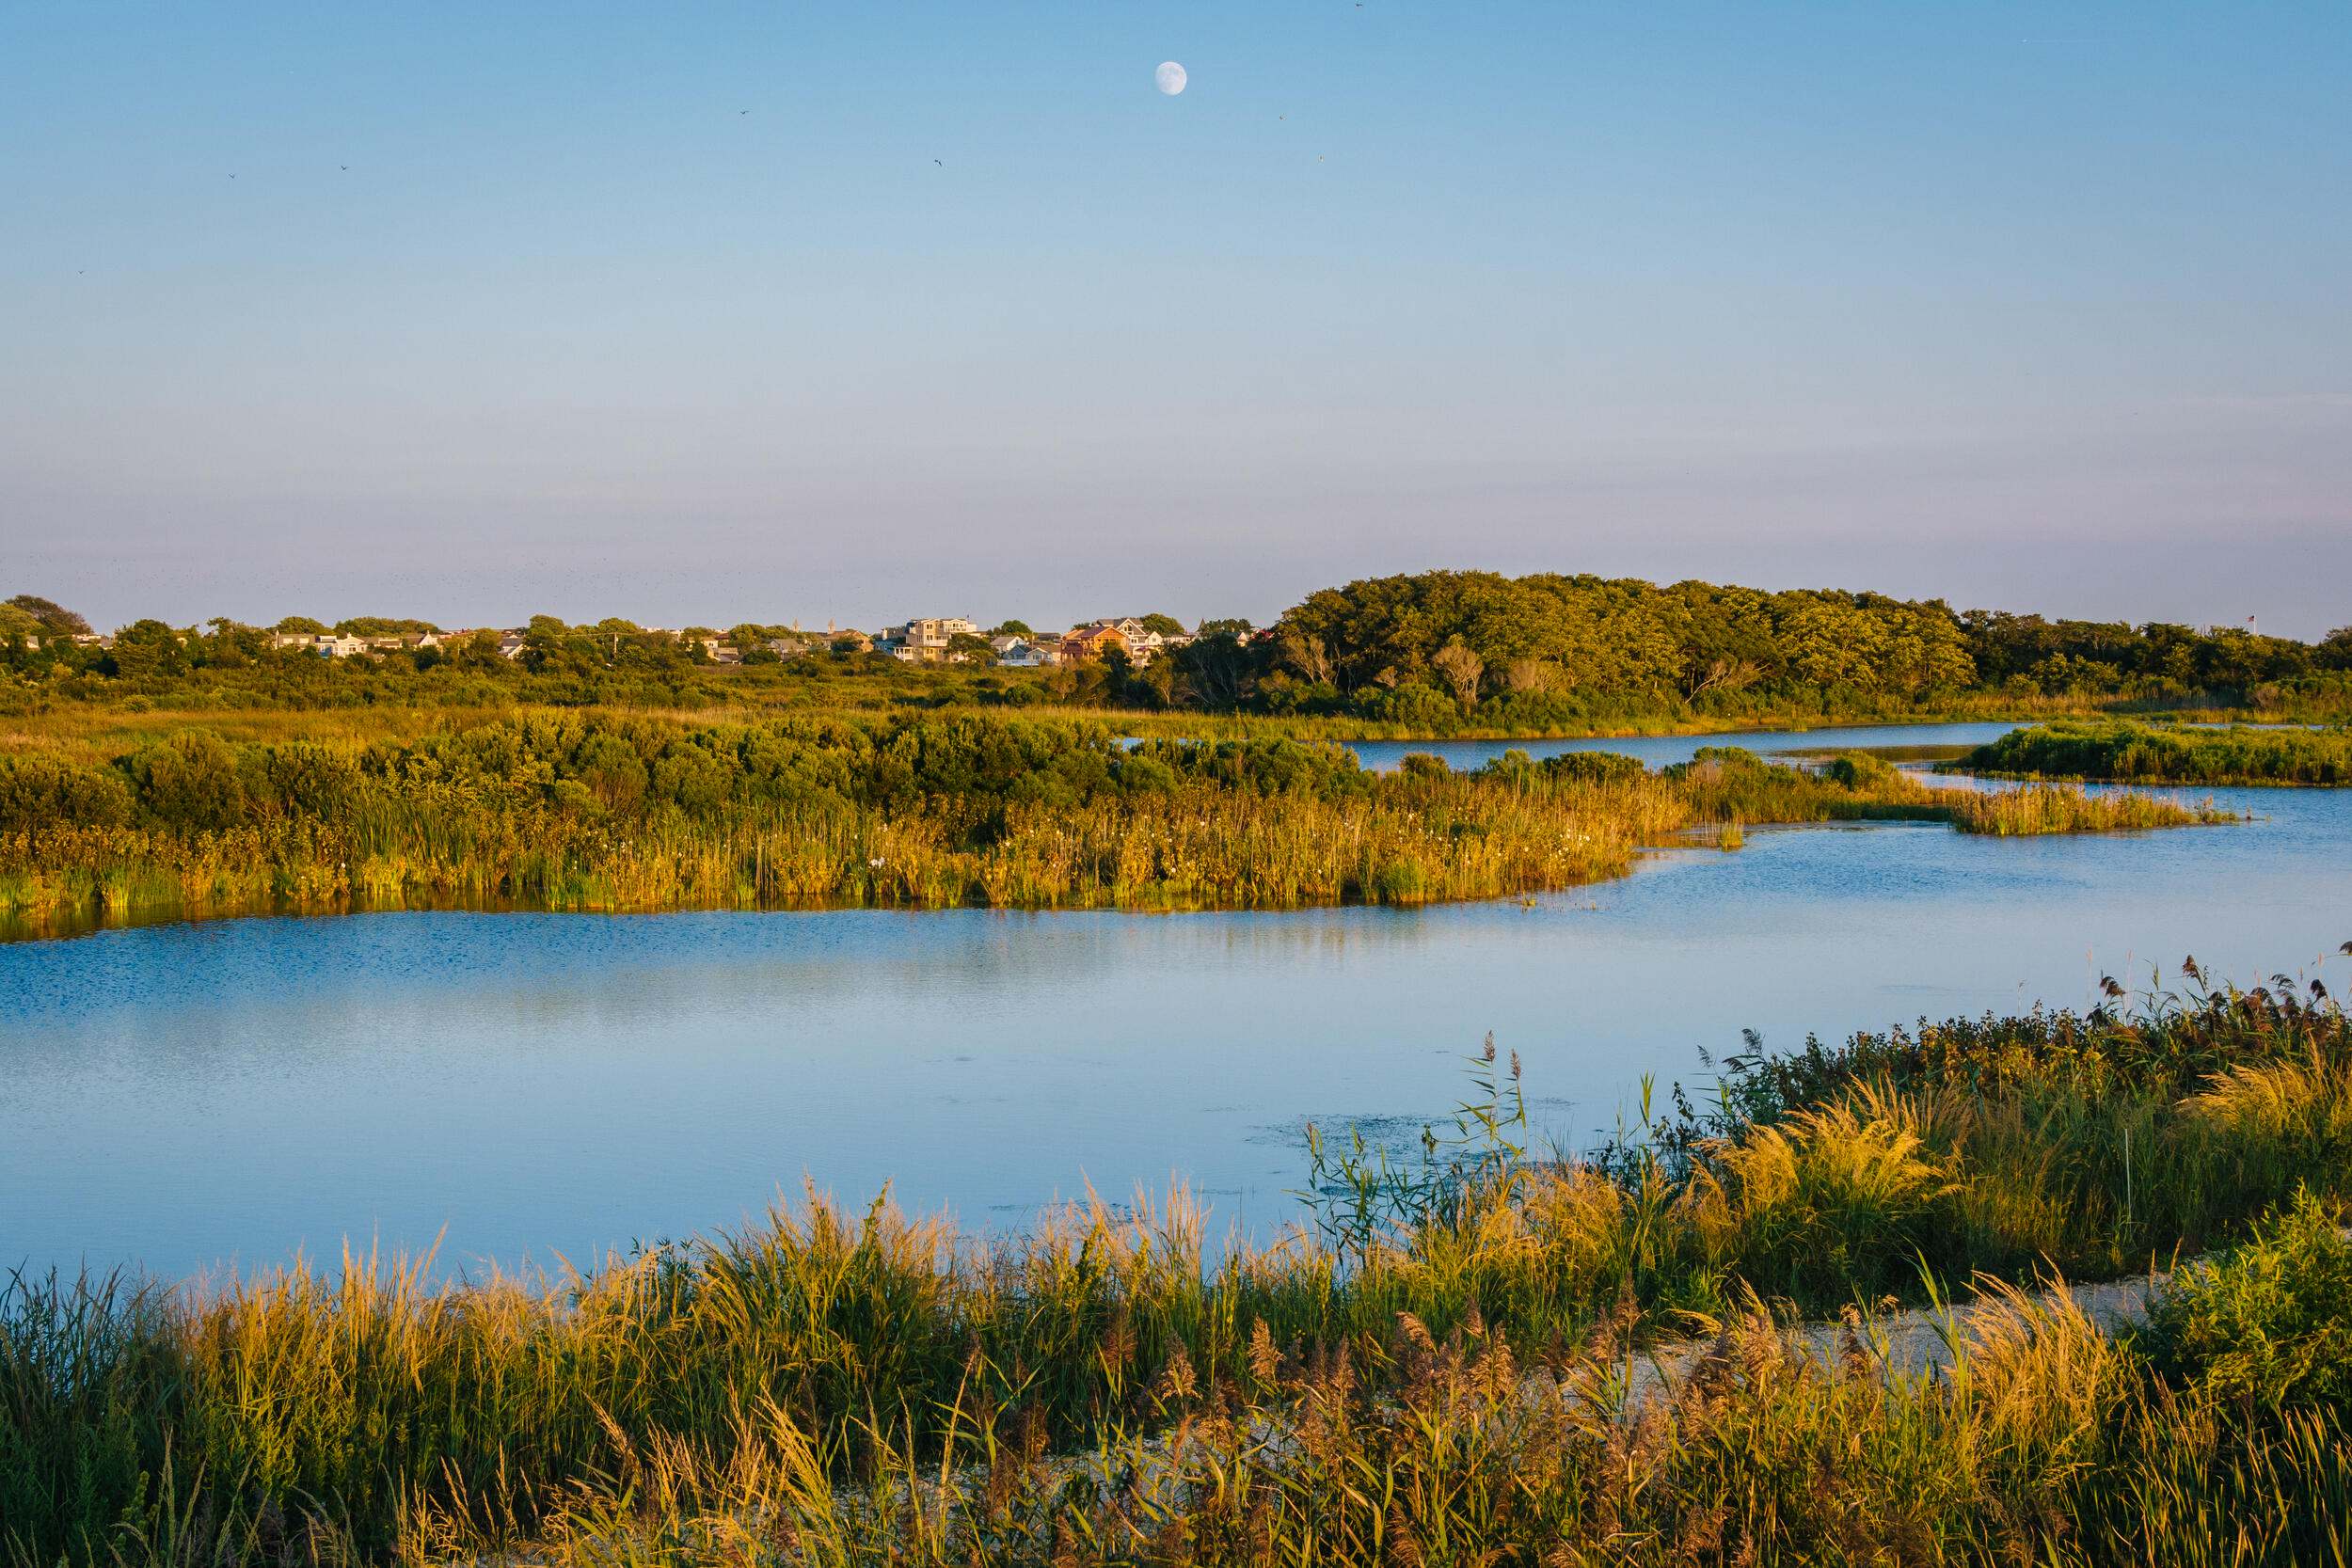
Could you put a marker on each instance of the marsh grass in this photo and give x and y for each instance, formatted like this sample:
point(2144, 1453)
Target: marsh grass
point(2037, 809)
point(2124, 751)
point(567, 812)
point(838, 1384)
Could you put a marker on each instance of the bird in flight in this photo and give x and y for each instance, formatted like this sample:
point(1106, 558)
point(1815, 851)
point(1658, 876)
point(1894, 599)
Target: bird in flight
point(936, 161)
point(743, 111)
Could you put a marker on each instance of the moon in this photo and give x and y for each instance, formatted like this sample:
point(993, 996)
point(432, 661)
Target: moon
point(1170, 78)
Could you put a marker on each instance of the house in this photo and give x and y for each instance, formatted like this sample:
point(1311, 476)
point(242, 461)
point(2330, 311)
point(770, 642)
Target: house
point(327, 644)
point(1092, 641)
point(511, 644)
point(849, 640)
point(924, 641)
point(1020, 653)
point(406, 641)
point(787, 647)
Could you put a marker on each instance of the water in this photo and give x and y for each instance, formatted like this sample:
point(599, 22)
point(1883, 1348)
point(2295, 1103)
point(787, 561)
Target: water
point(522, 1086)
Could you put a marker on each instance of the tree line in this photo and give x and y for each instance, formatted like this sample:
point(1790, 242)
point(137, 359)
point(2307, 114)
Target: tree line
point(1431, 650)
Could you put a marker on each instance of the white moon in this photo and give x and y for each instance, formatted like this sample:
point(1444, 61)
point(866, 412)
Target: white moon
point(1170, 77)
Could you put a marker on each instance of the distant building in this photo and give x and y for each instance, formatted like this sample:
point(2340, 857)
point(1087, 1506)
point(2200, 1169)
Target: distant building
point(403, 643)
point(924, 641)
point(327, 644)
point(1021, 652)
point(1094, 641)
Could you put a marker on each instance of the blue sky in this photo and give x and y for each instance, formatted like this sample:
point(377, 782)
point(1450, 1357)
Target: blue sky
point(2018, 306)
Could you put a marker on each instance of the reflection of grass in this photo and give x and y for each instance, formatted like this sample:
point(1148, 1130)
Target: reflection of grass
point(836, 1385)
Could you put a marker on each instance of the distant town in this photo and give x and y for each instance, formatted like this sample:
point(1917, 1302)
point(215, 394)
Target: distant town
point(924, 639)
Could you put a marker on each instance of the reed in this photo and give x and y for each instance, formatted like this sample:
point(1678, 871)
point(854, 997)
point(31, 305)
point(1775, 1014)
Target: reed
point(2037, 809)
point(1432, 1361)
point(557, 811)
point(2126, 752)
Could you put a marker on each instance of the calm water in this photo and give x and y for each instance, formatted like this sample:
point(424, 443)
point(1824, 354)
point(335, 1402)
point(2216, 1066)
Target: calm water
point(185, 1096)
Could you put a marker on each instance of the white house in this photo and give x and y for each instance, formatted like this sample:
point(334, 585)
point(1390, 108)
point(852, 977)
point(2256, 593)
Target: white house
point(1020, 653)
point(325, 643)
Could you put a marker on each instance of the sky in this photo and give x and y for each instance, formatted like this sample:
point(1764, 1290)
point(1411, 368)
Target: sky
point(713, 312)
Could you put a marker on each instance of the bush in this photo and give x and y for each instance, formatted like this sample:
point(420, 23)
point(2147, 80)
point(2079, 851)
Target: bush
point(39, 792)
point(1860, 771)
point(1593, 767)
point(2268, 1323)
point(1414, 708)
point(190, 782)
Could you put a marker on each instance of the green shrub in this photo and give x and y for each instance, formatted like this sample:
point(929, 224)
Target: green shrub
point(1861, 771)
point(2268, 1323)
point(190, 782)
point(39, 792)
point(1593, 767)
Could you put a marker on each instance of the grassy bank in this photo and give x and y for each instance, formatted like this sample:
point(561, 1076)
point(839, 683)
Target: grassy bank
point(2144, 754)
point(573, 812)
point(839, 1385)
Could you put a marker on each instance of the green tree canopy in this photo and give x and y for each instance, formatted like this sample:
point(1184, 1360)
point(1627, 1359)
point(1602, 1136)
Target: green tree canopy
point(54, 618)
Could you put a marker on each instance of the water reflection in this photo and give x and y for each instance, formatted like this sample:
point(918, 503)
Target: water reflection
point(528, 1083)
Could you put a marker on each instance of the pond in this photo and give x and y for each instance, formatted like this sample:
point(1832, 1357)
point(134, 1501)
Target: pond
point(522, 1087)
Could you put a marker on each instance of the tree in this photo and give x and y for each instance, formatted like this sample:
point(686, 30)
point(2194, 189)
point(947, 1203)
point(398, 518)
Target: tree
point(1012, 628)
point(381, 626)
point(300, 625)
point(1167, 626)
point(231, 644)
point(1461, 669)
point(1235, 628)
point(1305, 652)
point(55, 619)
point(751, 643)
point(1217, 667)
point(478, 651)
point(146, 649)
point(964, 648)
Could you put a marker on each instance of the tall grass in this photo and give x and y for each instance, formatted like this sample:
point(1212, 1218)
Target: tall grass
point(2125, 752)
point(602, 813)
point(833, 1385)
point(2037, 809)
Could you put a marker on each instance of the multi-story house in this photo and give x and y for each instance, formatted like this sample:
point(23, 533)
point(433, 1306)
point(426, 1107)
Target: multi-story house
point(924, 641)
